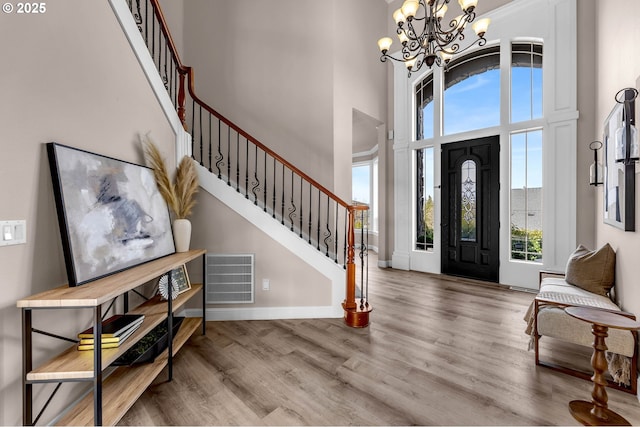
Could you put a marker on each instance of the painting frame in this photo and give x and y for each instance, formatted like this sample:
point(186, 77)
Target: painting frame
point(111, 214)
point(619, 177)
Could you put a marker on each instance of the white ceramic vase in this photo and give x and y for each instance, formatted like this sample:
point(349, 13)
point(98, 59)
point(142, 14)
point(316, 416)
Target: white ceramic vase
point(182, 234)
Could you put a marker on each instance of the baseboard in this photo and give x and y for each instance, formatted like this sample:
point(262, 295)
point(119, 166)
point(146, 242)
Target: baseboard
point(267, 313)
point(384, 263)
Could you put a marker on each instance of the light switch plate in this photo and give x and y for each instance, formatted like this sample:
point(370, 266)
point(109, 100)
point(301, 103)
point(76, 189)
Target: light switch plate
point(13, 232)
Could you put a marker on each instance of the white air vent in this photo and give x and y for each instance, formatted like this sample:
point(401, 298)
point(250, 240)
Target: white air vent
point(230, 278)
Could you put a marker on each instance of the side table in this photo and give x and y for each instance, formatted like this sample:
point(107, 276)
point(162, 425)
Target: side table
point(596, 412)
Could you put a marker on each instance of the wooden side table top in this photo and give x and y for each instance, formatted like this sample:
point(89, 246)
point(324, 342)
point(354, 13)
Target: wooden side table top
point(603, 318)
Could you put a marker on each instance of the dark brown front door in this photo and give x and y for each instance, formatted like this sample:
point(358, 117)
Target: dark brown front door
point(471, 208)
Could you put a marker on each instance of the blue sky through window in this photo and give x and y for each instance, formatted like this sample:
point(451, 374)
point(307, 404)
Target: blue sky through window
point(360, 184)
point(473, 103)
point(526, 160)
point(526, 93)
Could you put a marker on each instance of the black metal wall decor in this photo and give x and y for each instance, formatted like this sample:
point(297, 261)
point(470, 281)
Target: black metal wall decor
point(596, 170)
point(620, 155)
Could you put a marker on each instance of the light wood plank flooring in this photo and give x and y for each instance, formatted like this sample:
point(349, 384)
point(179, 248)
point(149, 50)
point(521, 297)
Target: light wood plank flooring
point(439, 351)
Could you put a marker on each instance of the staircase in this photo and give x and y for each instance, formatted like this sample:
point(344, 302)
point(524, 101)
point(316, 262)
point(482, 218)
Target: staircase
point(249, 177)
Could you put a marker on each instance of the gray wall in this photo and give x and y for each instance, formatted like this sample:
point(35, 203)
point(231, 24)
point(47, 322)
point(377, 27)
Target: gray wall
point(69, 76)
point(617, 68)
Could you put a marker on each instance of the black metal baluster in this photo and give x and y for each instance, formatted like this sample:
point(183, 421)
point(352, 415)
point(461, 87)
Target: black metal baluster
point(327, 238)
point(172, 84)
point(219, 156)
point(165, 78)
point(366, 267)
point(193, 131)
point(237, 162)
point(264, 190)
point(246, 171)
point(201, 136)
point(256, 183)
point(229, 155)
point(153, 38)
point(138, 18)
point(335, 231)
point(146, 23)
point(319, 215)
point(346, 237)
point(292, 209)
point(282, 200)
point(301, 206)
point(310, 210)
point(273, 198)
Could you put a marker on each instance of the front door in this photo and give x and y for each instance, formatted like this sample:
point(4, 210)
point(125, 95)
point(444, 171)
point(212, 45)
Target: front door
point(471, 208)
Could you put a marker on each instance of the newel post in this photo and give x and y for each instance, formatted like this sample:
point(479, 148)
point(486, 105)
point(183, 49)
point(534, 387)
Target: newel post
point(356, 313)
point(350, 299)
point(181, 100)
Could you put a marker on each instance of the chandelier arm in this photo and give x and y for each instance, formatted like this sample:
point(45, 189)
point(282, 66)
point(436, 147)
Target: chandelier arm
point(406, 56)
point(455, 48)
point(410, 32)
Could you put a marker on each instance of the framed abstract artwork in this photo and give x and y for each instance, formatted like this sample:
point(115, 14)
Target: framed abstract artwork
point(619, 176)
point(110, 212)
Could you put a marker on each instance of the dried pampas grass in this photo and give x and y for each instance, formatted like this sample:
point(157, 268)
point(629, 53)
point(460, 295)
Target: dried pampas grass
point(186, 187)
point(180, 197)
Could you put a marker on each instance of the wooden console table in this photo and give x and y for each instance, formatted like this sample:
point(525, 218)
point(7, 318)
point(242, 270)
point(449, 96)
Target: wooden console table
point(121, 389)
point(596, 412)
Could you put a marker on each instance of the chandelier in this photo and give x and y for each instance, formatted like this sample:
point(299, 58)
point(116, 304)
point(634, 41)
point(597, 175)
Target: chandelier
point(428, 42)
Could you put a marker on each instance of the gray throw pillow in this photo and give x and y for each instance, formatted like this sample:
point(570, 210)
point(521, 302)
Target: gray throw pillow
point(592, 271)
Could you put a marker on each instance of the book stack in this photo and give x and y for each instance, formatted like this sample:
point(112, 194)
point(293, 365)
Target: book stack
point(115, 330)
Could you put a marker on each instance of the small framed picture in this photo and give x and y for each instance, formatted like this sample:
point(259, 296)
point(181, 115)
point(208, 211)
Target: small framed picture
point(179, 280)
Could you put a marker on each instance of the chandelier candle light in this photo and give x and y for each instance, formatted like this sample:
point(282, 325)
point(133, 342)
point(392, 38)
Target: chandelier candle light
point(429, 42)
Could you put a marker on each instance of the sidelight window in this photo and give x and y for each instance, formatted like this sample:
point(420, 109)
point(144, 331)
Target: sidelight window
point(424, 199)
point(526, 196)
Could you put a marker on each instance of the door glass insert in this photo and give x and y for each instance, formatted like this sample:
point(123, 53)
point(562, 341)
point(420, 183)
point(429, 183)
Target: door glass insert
point(468, 205)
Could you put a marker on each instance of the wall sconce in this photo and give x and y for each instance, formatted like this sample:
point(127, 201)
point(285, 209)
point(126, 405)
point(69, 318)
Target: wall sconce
point(626, 136)
point(596, 170)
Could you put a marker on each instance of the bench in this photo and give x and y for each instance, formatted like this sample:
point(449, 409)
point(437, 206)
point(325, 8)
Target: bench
point(546, 317)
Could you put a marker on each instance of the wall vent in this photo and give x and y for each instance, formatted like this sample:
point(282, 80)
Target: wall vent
point(230, 278)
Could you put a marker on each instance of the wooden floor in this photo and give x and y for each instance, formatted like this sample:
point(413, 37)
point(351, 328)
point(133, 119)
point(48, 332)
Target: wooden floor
point(439, 351)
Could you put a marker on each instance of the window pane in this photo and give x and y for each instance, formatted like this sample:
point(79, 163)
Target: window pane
point(360, 184)
point(374, 202)
point(424, 199)
point(468, 205)
point(472, 92)
point(424, 106)
point(526, 81)
point(361, 192)
point(526, 196)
